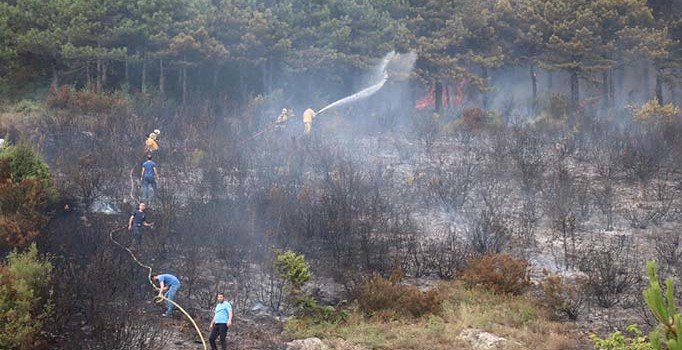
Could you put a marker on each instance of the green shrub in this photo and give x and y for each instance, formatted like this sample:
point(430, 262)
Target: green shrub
point(617, 341)
point(26, 164)
point(23, 307)
point(308, 307)
point(293, 269)
point(667, 335)
point(662, 306)
point(500, 273)
point(389, 298)
point(26, 190)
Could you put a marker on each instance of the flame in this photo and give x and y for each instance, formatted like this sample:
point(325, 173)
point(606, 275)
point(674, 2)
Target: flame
point(428, 101)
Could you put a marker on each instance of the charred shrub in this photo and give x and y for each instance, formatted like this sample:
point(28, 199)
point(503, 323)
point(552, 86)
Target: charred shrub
point(611, 270)
point(564, 297)
point(387, 297)
point(488, 233)
point(668, 248)
point(500, 273)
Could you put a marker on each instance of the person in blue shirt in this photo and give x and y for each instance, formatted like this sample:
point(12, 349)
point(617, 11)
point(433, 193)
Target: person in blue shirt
point(171, 284)
point(222, 320)
point(148, 177)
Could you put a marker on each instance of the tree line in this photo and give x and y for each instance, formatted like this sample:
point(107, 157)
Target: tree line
point(237, 47)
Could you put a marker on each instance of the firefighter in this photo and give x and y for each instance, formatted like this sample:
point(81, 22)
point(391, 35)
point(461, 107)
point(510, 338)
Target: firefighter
point(283, 117)
point(308, 116)
point(151, 145)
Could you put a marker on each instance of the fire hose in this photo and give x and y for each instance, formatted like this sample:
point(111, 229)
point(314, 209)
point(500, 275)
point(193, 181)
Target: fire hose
point(159, 298)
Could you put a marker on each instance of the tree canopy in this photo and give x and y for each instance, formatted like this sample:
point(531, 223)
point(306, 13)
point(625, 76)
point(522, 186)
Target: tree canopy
point(112, 44)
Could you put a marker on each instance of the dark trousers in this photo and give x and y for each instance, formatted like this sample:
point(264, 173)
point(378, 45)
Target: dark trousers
point(137, 236)
point(218, 328)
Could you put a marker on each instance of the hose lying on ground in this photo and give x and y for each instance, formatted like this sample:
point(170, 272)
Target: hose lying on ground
point(159, 298)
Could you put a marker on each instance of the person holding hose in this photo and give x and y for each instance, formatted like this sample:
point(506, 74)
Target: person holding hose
point(135, 223)
point(169, 284)
point(308, 116)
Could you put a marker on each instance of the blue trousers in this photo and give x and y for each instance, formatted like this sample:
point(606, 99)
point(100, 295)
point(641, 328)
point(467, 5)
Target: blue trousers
point(170, 294)
point(148, 185)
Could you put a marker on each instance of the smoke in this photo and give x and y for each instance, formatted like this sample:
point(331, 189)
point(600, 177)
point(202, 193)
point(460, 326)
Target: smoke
point(401, 67)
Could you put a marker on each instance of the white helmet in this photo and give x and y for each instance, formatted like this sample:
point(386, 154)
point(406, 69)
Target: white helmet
point(157, 131)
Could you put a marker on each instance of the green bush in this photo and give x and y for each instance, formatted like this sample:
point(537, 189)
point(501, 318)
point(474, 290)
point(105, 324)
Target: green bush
point(669, 330)
point(667, 335)
point(293, 269)
point(26, 190)
point(23, 307)
point(316, 313)
point(26, 164)
point(617, 341)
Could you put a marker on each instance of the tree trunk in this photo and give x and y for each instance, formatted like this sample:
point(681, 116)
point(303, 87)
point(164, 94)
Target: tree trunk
point(98, 81)
point(647, 81)
point(88, 75)
point(55, 75)
point(270, 80)
point(438, 96)
point(575, 88)
point(214, 85)
point(104, 74)
point(612, 88)
point(534, 83)
point(659, 86)
point(605, 89)
point(264, 79)
point(162, 79)
point(617, 81)
point(144, 74)
point(242, 87)
point(184, 84)
point(485, 92)
point(127, 72)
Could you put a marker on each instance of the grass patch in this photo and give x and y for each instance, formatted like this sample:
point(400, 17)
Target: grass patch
point(515, 318)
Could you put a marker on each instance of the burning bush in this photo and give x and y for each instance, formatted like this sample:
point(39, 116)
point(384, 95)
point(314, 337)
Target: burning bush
point(500, 273)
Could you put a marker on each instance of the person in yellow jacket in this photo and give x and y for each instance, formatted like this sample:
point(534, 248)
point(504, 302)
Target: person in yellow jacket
point(308, 116)
point(283, 117)
point(151, 145)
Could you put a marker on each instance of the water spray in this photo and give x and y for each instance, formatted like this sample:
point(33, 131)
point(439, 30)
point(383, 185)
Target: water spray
point(381, 74)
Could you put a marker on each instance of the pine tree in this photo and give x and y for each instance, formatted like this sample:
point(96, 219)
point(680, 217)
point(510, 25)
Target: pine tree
point(662, 306)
